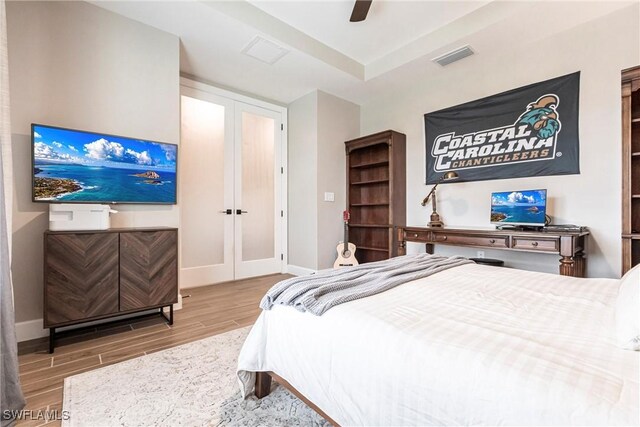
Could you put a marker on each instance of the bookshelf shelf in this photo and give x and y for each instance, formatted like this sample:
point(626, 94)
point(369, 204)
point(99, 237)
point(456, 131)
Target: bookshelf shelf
point(370, 182)
point(370, 165)
point(372, 249)
point(351, 225)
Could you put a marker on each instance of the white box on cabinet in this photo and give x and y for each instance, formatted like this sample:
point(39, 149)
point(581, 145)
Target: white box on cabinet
point(69, 217)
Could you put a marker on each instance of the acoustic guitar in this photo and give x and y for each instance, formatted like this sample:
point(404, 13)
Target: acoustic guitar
point(346, 250)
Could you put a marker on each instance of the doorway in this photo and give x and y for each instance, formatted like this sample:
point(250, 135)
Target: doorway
point(232, 186)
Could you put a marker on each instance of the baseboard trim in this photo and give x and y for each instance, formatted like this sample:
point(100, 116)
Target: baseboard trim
point(299, 271)
point(32, 329)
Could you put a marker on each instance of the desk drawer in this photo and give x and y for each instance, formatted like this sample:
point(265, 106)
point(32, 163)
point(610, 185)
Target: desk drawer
point(471, 240)
point(534, 244)
point(416, 236)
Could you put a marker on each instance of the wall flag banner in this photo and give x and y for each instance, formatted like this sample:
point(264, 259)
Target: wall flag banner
point(529, 131)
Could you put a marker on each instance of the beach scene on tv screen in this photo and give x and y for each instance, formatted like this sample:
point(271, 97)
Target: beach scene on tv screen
point(519, 207)
point(75, 166)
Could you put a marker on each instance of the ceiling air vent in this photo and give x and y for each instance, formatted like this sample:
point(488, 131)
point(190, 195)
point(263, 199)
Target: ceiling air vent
point(454, 55)
point(264, 50)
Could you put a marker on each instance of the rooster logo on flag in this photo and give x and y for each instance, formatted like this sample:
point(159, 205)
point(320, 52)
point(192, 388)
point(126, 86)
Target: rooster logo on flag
point(541, 116)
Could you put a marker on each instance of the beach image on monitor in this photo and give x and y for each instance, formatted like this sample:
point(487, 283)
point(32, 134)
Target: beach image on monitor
point(520, 207)
point(83, 167)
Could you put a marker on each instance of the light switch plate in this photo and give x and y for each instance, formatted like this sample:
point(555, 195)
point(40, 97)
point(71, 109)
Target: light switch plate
point(329, 197)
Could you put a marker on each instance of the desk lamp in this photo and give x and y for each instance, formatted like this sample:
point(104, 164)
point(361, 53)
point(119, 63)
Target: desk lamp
point(435, 218)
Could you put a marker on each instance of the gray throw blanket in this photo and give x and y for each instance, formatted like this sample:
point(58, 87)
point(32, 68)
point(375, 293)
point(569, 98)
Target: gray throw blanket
point(326, 289)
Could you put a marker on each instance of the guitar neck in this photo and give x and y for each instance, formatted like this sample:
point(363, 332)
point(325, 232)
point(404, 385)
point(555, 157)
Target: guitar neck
point(346, 236)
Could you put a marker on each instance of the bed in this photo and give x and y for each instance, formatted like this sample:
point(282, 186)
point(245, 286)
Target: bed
point(470, 345)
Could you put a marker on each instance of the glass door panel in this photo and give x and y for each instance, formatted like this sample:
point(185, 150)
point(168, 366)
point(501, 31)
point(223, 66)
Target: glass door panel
point(206, 189)
point(258, 191)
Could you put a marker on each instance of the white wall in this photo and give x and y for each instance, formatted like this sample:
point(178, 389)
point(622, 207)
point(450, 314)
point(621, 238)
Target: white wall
point(600, 49)
point(319, 124)
point(75, 65)
point(338, 121)
point(302, 151)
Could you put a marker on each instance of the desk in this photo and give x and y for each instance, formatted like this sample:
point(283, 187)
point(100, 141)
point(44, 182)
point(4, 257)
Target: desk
point(569, 245)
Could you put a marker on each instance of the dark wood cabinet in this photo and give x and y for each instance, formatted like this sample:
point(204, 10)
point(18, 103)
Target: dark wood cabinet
point(81, 277)
point(94, 275)
point(630, 168)
point(148, 269)
point(376, 187)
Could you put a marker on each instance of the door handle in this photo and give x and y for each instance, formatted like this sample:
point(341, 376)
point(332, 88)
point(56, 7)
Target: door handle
point(227, 211)
point(240, 212)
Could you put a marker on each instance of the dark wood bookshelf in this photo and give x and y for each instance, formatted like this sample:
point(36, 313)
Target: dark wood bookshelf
point(376, 185)
point(630, 168)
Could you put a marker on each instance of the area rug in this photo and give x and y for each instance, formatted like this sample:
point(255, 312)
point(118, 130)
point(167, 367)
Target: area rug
point(191, 385)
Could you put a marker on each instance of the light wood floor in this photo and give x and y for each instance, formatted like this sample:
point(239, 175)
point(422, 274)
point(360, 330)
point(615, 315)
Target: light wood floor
point(208, 311)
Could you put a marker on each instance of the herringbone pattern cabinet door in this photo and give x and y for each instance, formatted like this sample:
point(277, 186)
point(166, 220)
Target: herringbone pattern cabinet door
point(82, 276)
point(148, 269)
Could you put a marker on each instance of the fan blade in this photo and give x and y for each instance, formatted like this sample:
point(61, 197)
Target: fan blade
point(360, 10)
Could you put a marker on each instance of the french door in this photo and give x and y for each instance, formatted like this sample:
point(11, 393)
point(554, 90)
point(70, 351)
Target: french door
point(231, 189)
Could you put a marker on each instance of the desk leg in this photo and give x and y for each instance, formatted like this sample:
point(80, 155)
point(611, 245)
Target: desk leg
point(580, 265)
point(402, 250)
point(401, 244)
point(429, 248)
point(573, 266)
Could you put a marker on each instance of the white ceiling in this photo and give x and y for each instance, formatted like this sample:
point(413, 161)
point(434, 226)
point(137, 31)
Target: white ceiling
point(340, 59)
point(390, 25)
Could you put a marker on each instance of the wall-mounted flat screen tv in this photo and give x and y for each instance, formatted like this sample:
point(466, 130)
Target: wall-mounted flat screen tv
point(527, 207)
point(72, 166)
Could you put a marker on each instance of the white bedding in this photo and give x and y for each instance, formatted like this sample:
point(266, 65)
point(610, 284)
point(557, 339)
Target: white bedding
point(471, 345)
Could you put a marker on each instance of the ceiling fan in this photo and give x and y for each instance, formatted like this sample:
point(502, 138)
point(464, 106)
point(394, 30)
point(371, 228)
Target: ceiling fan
point(360, 10)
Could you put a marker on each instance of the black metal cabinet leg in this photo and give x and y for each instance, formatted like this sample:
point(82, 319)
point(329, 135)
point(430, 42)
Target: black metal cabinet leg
point(52, 337)
point(170, 318)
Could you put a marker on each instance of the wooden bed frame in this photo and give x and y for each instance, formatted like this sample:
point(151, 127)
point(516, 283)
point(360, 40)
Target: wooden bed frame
point(263, 388)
